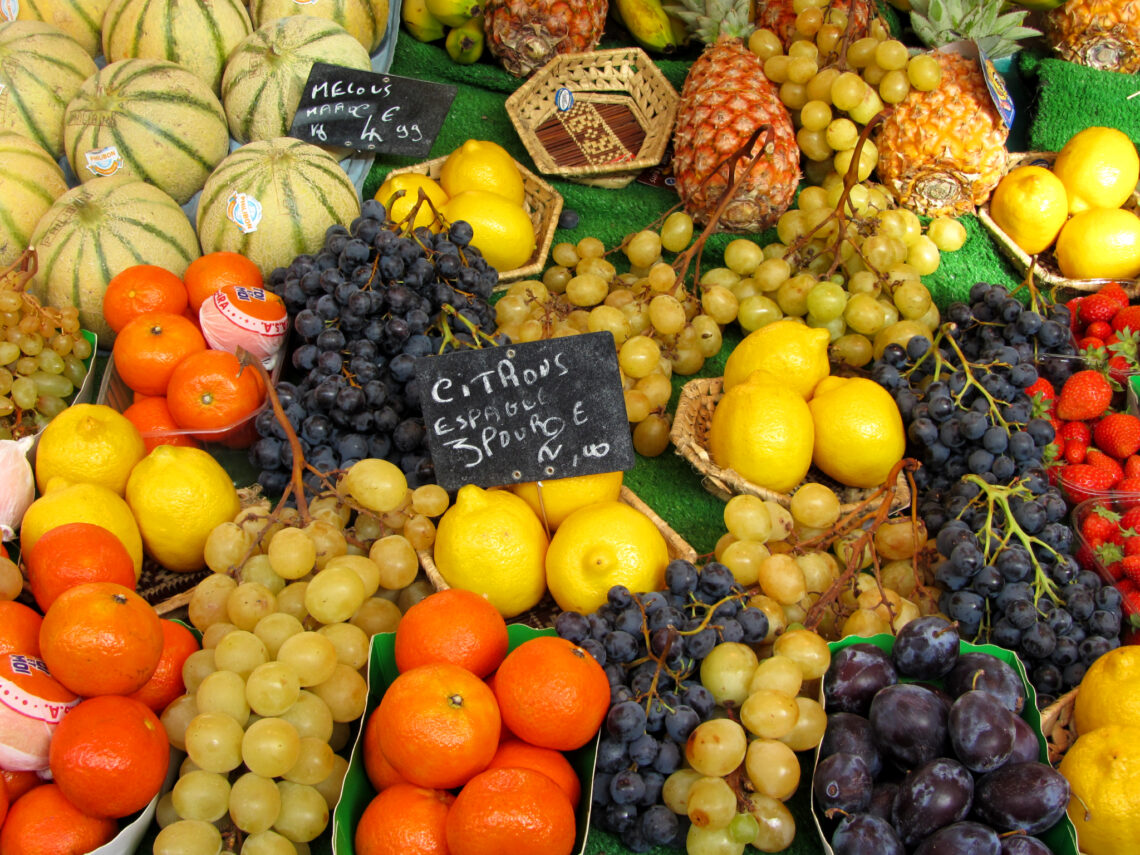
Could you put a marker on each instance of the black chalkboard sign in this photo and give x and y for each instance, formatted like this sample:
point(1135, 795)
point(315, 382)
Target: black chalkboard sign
point(367, 111)
point(525, 412)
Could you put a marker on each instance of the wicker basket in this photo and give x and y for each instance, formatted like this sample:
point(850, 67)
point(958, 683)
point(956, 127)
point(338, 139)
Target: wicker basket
point(1057, 725)
point(1046, 271)
point(597, 118)
point(544, 613)
point(542, 202)
point(689, 435)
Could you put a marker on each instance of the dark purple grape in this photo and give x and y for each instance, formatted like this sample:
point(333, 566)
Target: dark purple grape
point(909, 724)
point(883, 798)
point(1023, 844)
point(1026, 745)
point(855, 674)
point(851, 734)
point(961, 838)
point(861, 833)
point(926, 648)
point(933, 795)
point(990, 674)
point(1027, 797)
point(841, 783)
point(982, 731)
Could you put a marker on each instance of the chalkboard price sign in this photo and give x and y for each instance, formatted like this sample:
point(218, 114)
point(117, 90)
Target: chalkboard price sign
point(525, 412)
point(369, 111)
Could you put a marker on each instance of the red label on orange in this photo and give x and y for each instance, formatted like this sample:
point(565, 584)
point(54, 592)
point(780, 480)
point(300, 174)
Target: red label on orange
point(253, 309)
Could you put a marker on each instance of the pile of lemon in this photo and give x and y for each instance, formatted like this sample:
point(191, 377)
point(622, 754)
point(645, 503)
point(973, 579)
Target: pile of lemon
point(1076, 206)
point(479, 183)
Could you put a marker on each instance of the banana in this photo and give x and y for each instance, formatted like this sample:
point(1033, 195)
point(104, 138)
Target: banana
point(648, 23)
point(465, 44)
point(419, 22)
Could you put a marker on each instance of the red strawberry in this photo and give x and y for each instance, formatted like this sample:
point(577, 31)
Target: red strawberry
point(1131, 567)
point(1085, 395)
point(1100, 523)
point(1116, 292)
point(1075, 451)
point(1076, 430)
point(1127, 318)
point(1118, 434)
point(1132, 466)
point(1090, 342)
point(1082, 481)
point(1131, 593)
point(1115, 569)
point(1095, 457)
point(1099, 329)
point(1130, 520)
point(1042, 394)
point(1128, 493)
point(1131, 544)
point(1097, 307)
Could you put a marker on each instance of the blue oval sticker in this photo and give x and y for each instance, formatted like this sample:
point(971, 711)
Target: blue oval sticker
point(564, 99)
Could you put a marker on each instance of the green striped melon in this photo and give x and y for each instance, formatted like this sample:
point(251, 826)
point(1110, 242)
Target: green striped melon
point(150, 119)
point(98, 229)
point(272, 200)
point(29, 182)
point(266, 73)
point(366, 20)
point(41, 69)
point(196, 34)
point(80, 19)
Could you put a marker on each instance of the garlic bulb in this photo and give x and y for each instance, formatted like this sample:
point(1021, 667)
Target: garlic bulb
point(17, 484)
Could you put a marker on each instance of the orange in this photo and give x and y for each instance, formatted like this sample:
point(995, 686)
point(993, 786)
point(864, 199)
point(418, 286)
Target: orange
point(100, 638)
point(151, 416)
point(439, 725)
point(214, 270)
point(139, 289)
point(149, 347)
point(44, 822)
point(212, 390)
point(511, 810)
point(553, 764)
point(74, 553)
point(453, 625)
point(3, 800)
point(405, 820)
point(166, 684)
point(552, 693)
point(18, 783)
point(381, 774)
point(19, 628)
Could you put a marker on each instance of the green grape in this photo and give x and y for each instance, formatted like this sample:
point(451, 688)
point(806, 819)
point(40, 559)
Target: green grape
point(864, 314)
point(743, 828)
point(676, 231)
point(268, 843)
point(924, 72)
point(6, 407)
point(213, 742)
point(254, 803)
point(270, 747)
point(894, 86)
point(10, 300)
point(304, 812)
point(272, 688)
point(240, 651)
point(50, 362)
point(396, 558)
point(223, 692)
point(726, 672)
point(772, 767)
point(23, 393)
point(912, 299)
point(49, 406)
point(826, 301)
point(314, 762)
point(947, 234)
point(792, 294)
point(587, 289)
point(312, 656)
point(201, 795)
point(274, 629)
point(746, 517)
point(32, 344)
point(188, 837)
point(712, 803)
point(666, 314)
point(639, 356)
point(258, 569)
point(9, 352)
point(310, 716)
point(376, 484)
point(248, 603)
point(709, 341)
point(74, 369)
point(776, 825)
point(651, 435)
point(923, 255)
point(779, 674)
point(711, 841)
point(643, 248)
point(769, 713)
point(757, 311)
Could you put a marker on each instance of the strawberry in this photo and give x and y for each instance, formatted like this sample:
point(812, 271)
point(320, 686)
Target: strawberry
point(1095, 457)
point(1099, 329)
point(1128, 493)
point(1042, 394)
point(1115, 569)
point(1131, 567)
point(1085, 556)
point(1127, 318)
point(1100, 524)
point(1075, 451)
point(1131, 543)
point(1131, 593)
point(1132, 466)
point(1118, 434)
point(1130, 520)
point(1085, 395)
point(1090, 342)
point(1097, 307)
point(1076, 430)
point(1116, 292)
point(1083, 481)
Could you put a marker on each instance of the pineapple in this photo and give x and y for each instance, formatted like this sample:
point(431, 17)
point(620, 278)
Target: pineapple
point(943, 151)
point(779, 16)
point(724, 99)
point(1098, 33)
point(527, 34)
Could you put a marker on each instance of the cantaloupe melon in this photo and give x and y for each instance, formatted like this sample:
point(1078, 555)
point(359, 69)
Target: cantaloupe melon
point(196, 34)
point(150, 119)
point(367, 20)
point(41, 69)
point(29, 182)
point(96, 230)
point(266, 73)
point(272, 200)
point(80, 19)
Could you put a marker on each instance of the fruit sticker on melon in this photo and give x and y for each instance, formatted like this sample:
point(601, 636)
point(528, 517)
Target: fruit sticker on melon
point(32, 704)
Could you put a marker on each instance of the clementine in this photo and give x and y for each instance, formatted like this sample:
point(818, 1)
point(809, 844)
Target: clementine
point(3, 800)
point(511, 810)
point(139, 289)
point(19, 628)
point(100, 638)
point(149, 347)
point(405, 820)
point(44, 822)
point(213, 391)
point(439, 725)
point(166, 684)
point(151, 415)
point(381, 774)
point(74, 553)
point(553, 764)
point(552, 693)
point(453, 625)
point(214, 270)
point(18, 783)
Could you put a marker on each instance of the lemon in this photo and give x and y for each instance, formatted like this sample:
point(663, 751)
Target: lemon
point(1110, 691)
point(557, 498)
point(482, 165)
point(1030, 205)
point(789, 349)
point(1102, 768)
point(179, 495)
point(501, 229)
point(411, 183)
point(762, 428)
point(89, 443)
point(599, 546)
point(859, 434)
point(1099, 168)
point(453, 13)
point(64, 503)
point(491, 542)
point(1100, 243)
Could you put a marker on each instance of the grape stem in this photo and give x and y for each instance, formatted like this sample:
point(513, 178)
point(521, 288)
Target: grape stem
point(449, 338)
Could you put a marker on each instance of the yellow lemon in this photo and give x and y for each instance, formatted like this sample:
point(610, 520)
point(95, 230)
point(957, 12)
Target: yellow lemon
point(482, 165)
point(411, 183)
point(501, 229)
point(64, 503)
point(762, 428)
point(1100, 243)
point(179, 495)
point(1099, 168)
point(1030, 205)
point(491, 542)
point(859, 434)
point(1110, 691)
point(1102, 768)
point(89, 443)
point(557, 498)
point(788, 349)
point(599, 546)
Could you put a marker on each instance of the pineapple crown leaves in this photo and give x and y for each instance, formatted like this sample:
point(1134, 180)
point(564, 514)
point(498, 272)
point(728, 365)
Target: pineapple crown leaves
point(708, 19)
point(939, 22)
